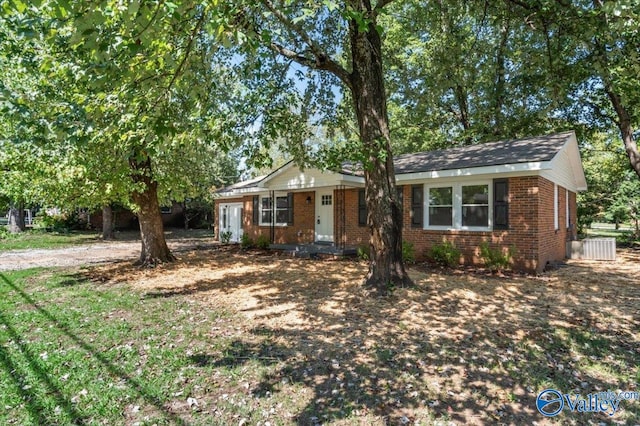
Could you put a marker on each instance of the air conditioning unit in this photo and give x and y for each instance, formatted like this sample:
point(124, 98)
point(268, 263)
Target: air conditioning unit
point(592, 249)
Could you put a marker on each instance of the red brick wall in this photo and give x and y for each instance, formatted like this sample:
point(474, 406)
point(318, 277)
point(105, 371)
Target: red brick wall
point(531, 228)
point(552, 240)
point(528, 214)
point(303, 228)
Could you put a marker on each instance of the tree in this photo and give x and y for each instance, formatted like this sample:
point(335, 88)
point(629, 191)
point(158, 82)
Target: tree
point(136, 101)
point(604, 37)
point(626, 202)
point(343, 40)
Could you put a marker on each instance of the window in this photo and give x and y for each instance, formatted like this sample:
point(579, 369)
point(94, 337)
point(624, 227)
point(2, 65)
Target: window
point(441, 206)
point(165, 210)
point(462, 206)
point(556, 226)
point(224, 218)
point(265, 211)
point(326, 200)
point(417, 216)
point(281, 211)
point(475, 206)
point(362, 208)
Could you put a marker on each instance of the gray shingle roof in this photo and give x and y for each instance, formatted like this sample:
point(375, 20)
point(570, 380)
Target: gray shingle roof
point(528, 150)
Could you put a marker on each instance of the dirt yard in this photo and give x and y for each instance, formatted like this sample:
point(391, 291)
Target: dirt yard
point(462, 347)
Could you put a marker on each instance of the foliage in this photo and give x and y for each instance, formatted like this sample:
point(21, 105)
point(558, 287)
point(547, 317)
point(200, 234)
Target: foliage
point(626, 203)
point(363, 252)
point(445, 254)
point(63, 222)
point(225, 237)
point(246, 242)
point(197, 213)
point(496, 259)
point(4, 232)
point(408, 252)
point(262, 242)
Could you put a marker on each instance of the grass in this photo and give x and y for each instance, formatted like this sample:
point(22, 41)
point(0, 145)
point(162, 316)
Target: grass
point(223, 337)
point(40, 239)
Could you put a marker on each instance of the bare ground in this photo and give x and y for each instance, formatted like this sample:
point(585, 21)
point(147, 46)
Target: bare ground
point(463, 347)
point(127, 247)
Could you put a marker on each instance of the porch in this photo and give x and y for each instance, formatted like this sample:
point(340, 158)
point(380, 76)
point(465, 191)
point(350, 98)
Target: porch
point(313, 250)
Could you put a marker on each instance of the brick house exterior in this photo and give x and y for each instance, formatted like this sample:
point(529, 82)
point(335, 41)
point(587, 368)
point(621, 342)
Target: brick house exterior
point(513, 194)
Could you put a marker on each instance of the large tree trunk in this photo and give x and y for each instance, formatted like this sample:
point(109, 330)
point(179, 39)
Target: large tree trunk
point(626, 131)
point(16, 218)
point(107, 222)
point(384, 218)
point(154, 247)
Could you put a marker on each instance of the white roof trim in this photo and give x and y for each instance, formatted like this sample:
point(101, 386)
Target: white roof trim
point(519, 168)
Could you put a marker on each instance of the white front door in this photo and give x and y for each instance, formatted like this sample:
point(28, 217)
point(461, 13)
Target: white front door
point(230, 222)
point(324, 216)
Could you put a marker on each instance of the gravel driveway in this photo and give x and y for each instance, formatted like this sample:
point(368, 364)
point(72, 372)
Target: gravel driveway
point(89, 253)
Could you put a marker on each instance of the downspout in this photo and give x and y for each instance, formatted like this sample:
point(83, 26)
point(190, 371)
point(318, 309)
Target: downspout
point(273, 217)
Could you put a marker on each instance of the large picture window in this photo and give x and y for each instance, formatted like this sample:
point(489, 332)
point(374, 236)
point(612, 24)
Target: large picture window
point(441, 206)
point(475, 206)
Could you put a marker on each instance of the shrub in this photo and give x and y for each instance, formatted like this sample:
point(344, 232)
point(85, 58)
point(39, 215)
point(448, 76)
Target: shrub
point(225, 237)
point(246, 242)
point(63, 222)
point(4, 232)
point(408, 252)
point(262, 242)
point(496, 259)
point(363, 252)
point(445, 254)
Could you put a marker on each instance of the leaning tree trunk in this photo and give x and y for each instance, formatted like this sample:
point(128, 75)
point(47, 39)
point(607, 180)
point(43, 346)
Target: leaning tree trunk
point(107, 222)
point(384, 217)
point(16, 218)
point(154, 247)
point(626, 131)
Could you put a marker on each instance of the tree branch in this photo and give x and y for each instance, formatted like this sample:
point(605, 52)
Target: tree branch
point(322, 61)
point(381, 4)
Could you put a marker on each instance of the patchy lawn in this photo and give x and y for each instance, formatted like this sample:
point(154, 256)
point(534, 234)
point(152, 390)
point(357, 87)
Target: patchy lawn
point(225, 337)
point(41, 239)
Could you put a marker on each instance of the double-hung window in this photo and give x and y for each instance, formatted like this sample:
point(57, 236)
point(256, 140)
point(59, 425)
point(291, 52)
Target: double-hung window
point(441, 206)
point(459, 206)
point(279, 212)
point(475, 206)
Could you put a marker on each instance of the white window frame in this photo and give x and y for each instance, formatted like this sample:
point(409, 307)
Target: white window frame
point(426, 206)
point(457, 206)
point(273, 208)
point(556, 212)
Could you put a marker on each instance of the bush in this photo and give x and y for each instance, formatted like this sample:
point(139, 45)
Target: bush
point(246, 242)
point(363, 252)
point(4, 232)
point(262, 242)
point(496, 259)
point(445, 254)
point(408, 252)
point(225, 237)
point(63, 222)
